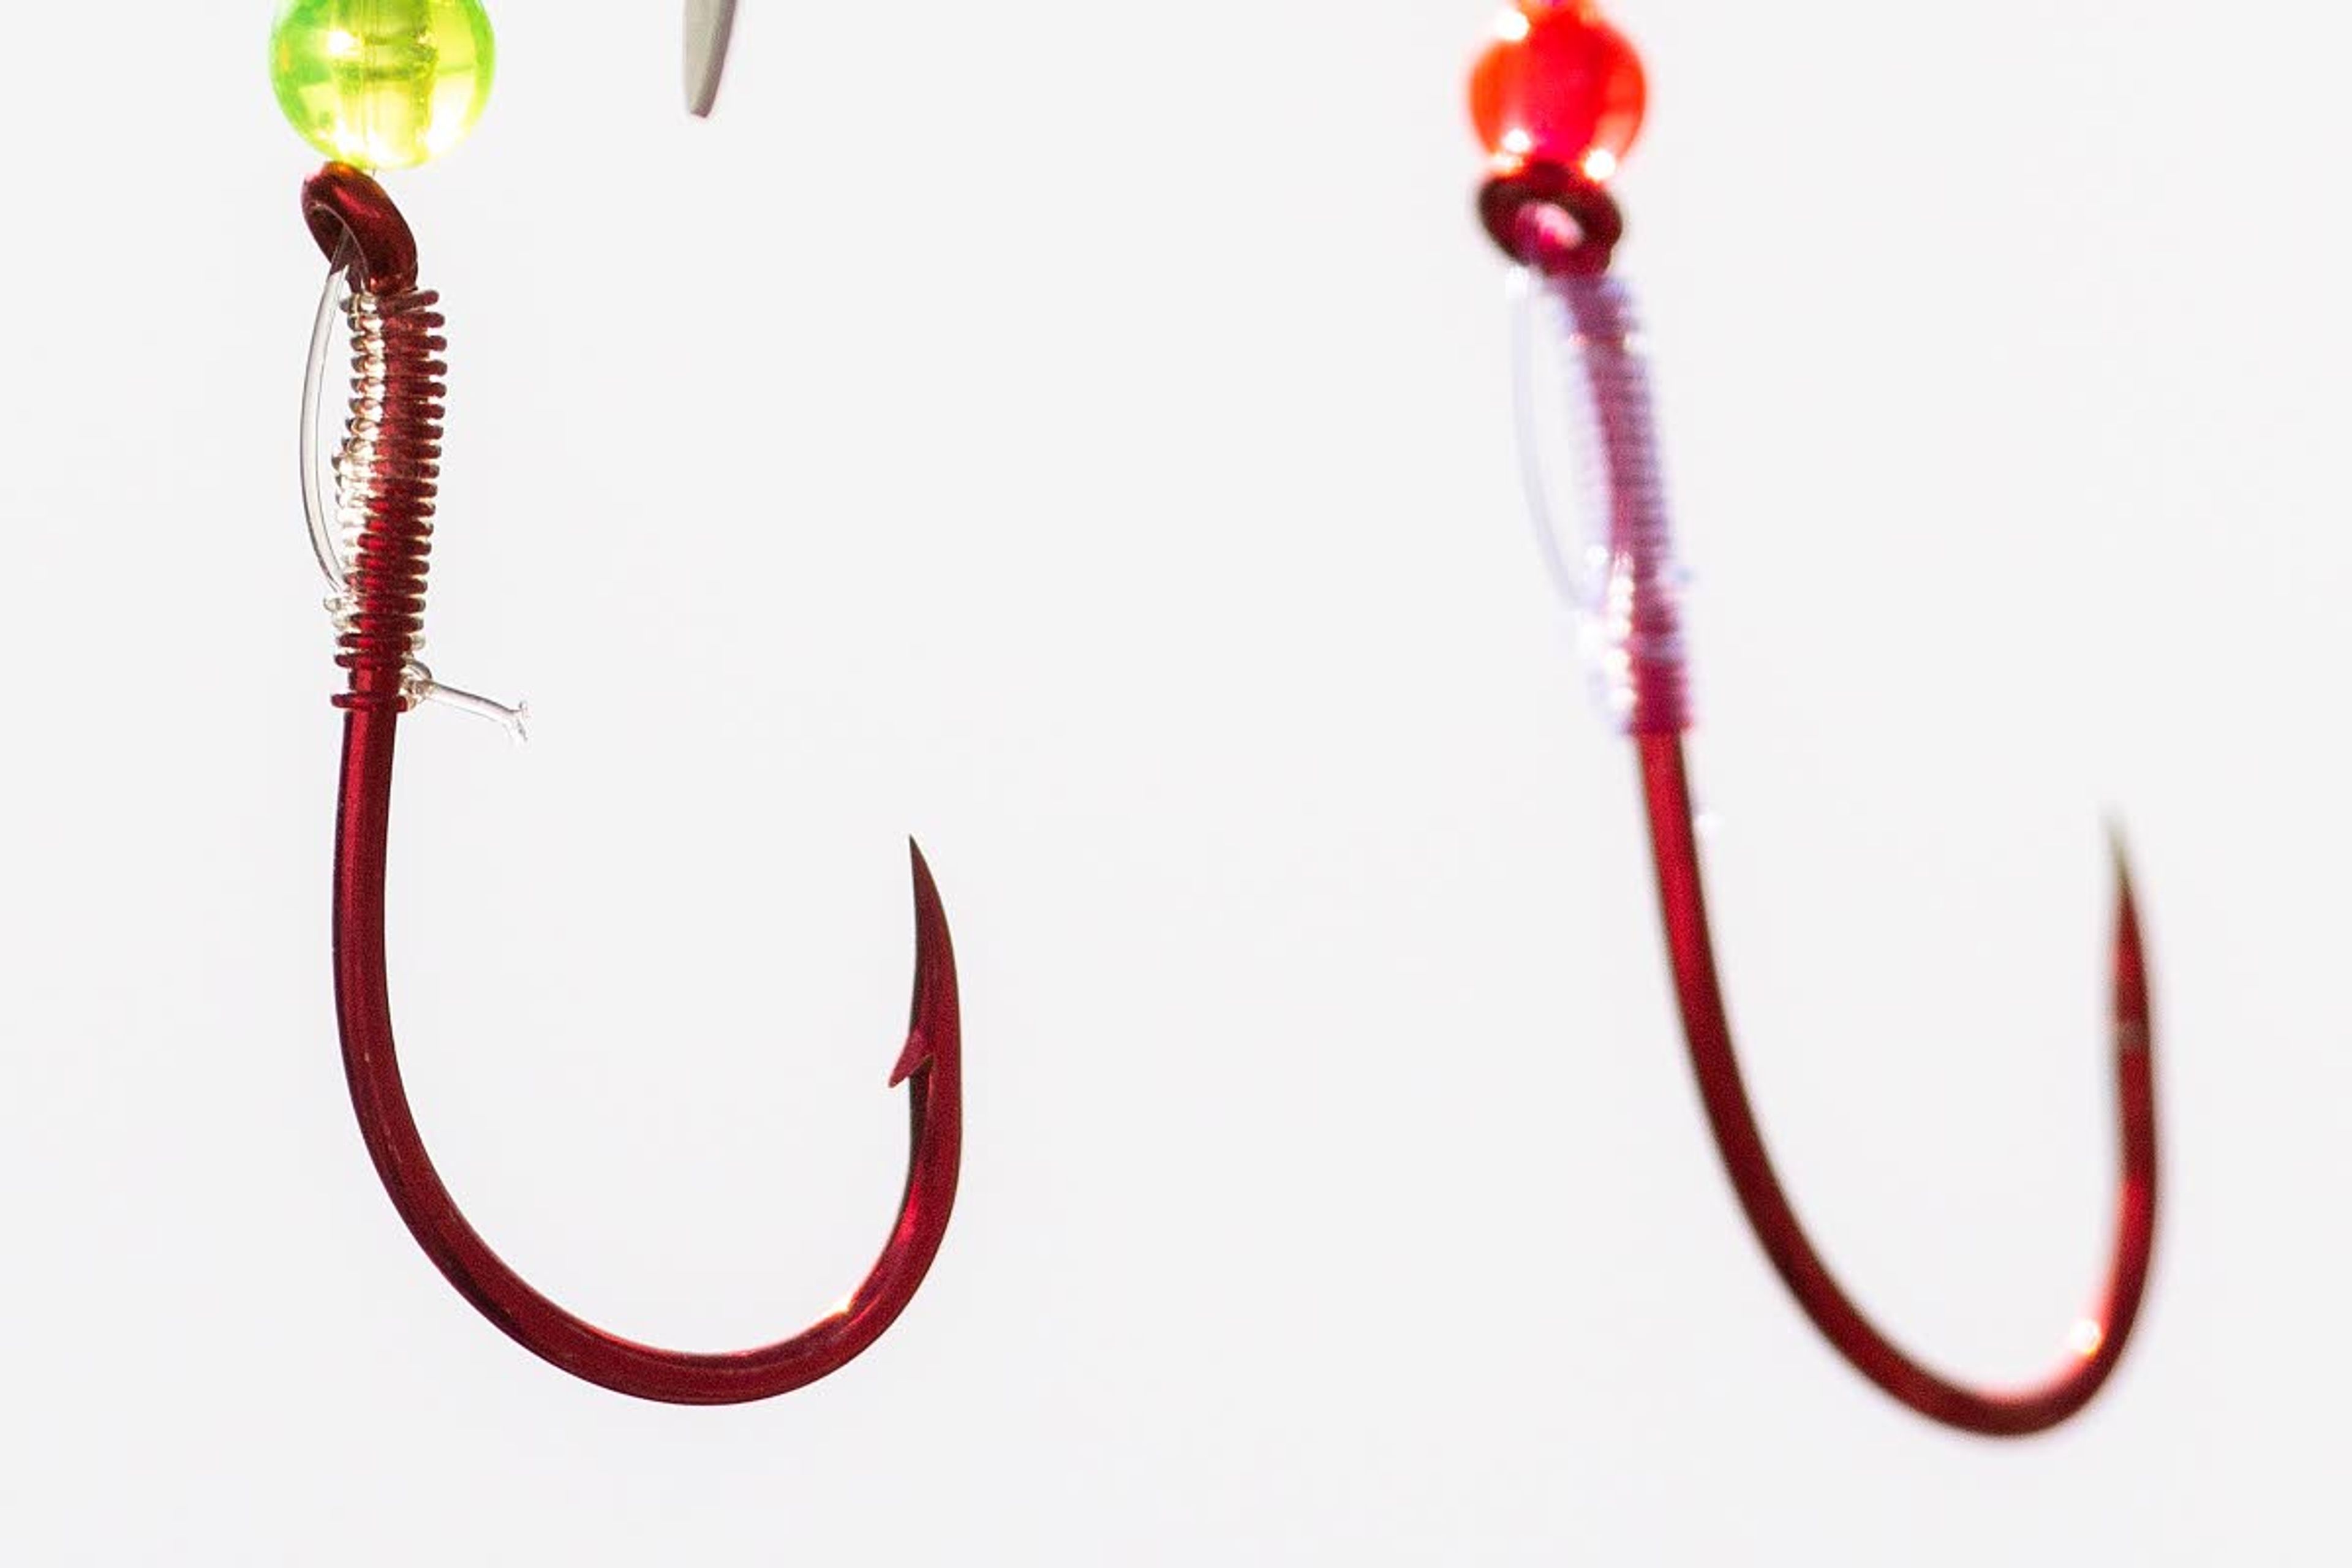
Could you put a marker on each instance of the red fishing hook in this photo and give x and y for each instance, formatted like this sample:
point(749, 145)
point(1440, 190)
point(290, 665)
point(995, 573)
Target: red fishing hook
point(387, 481)
point(1558, 98)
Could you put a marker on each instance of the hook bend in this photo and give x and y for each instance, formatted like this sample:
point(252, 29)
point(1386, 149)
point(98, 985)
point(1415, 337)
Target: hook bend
point(386, 574)
point(2096, 1342)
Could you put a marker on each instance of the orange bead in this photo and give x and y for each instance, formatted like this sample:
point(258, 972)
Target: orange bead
point(1558, 86)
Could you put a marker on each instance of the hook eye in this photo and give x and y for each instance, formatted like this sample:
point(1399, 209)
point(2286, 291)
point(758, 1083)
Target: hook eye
point(709, 25)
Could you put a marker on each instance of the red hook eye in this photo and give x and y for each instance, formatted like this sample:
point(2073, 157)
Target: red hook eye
point(1549, 218)
point(343, 204)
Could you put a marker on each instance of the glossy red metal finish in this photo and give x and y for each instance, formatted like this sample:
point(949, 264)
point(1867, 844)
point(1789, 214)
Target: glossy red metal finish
point(1549, 218)
point(342, 206)
point(2103, 1330)
point(386, 584)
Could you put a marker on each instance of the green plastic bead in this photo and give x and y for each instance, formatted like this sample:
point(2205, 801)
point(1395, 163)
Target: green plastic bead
point(382, 84)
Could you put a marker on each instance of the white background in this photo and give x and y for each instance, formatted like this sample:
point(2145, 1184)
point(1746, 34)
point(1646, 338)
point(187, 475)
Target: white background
point(1077, 433)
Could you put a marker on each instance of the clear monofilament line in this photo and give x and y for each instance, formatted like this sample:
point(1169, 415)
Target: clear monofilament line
point(514, 719)
point(320, 488)
point(1617, 572)
point(1563, 516)
point(337, 492)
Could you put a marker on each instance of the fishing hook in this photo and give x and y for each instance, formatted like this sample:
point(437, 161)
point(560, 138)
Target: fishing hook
point(1558, 99)
point(375, 553)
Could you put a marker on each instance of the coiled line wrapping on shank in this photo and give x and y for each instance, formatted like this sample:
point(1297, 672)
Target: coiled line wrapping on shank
point(1633, 601)
point(387, 477)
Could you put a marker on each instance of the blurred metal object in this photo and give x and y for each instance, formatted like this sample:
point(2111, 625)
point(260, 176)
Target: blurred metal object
point(1626, 587)
point(709, 25)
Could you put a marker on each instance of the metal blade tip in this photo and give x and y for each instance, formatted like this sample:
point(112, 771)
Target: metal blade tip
point(710, 27)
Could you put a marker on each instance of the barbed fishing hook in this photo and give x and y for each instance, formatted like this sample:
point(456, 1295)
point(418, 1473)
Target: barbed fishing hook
point(1558, 99)
point(390, 83)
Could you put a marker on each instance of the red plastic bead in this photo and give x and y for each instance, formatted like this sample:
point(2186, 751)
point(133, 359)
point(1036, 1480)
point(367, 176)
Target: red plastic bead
point(1558, 86)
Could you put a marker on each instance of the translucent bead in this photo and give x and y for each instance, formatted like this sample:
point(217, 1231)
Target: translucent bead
point(1558, 86)
point(382, 84)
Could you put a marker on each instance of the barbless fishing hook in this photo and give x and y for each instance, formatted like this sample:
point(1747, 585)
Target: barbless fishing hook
point(373, 552)
point(1558, 99)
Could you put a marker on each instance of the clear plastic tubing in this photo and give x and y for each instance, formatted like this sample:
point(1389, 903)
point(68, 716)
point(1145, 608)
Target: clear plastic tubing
point(1612, 555)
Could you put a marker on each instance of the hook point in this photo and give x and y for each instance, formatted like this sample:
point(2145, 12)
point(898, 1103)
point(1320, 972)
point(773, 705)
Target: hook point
point(2119, 853)
point(2131, 1005)
point(931, 916)
point(934, 966)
